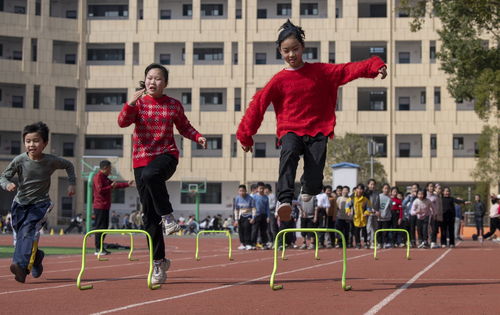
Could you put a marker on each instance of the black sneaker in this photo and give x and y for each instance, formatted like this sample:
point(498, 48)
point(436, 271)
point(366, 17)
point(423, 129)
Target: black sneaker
point(19, 272)
point(37, 269)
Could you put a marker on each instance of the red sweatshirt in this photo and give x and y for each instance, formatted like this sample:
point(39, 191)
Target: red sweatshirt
point(101, 188)
point(304, 99)
point(154, 120)
point(397, 205)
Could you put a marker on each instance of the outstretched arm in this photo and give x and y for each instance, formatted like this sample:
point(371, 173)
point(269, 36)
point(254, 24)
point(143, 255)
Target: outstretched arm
point(346, 72)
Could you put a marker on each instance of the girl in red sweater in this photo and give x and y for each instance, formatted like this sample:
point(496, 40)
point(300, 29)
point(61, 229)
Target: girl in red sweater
point(155, 155)
point(304, 97)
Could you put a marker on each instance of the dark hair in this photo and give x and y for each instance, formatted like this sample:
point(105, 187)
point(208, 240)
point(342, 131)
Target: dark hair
point(38, 127)
point(104, 163)
point(360, 186)
point(372, 180)
point(348, 188)
point(429, 183)
point(422, 191)
point(163, 70)
point(396, 188)
point(339, 187)
point(242, 186)
point(415, 184)
point(261, 184)
point(327, 187)
point(268, 186)
point(253, 186)
point(288, 29)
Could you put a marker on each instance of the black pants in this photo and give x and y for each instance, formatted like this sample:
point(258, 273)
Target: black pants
point(436, 226)
point(413, 229)
point(272, 227)
point(259, 227)
point(330, 223)
point(423, 232)
point(314, 151)
point(383, 237)
point(150, 181)
point(479, 225)
point(357, 232)
point(448, 229)
point(245, 230)
point(343, 226)
point(290, 238)
point(405, 224)
point(321, 223)
point(101, 222)
point(494, 225)
point(307, 223)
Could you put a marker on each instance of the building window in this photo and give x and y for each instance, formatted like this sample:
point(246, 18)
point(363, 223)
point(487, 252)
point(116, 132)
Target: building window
point(331, 57)
point(284, 9)
point(1, 50)
point(70, 59)
point(260, 150)
point(458, 143)
point(38, 7)
point(118, 196)
point(68, 149)
point(476, 149)
point(36, 96)
point(237, 104)
point(310, 53)
point(404, 57)
point(309, 9)
point(432, 51)
point(261, 13)
point(165, 14)
point(238, 13)
point(404, 103)
point(17, 101)
point(212, 10)
point(104, 98)
point(103, 143)
point(186, 98)
point(437, 96)
point(66, 207)
point(208, 53)
point(106, 54)
point(165, 59)
point(69, 104)
point(235, 58)
point(377, 100)
point(404, 149)
point(17, 55)
point(71, 14)
point(213, 143)
point(212, 196)
point(378, 10)
point(423, 97)
point(15, 147)
point(19, 9)
point(378, 51)
point(260, 58)
point(433, 145)
point(211, 98)
point(112, 10)
point(187, 10)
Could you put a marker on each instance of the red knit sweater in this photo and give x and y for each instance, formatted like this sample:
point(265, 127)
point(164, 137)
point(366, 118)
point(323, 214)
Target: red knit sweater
point(304, 99)
point(101, 187)
point(154, 120)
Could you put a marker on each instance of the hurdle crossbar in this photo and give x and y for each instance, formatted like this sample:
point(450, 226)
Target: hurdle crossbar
point(392, 230)
point(84, 246)
point(315, 252)
point(226, 232)
point(129, 254)
point(325, 230)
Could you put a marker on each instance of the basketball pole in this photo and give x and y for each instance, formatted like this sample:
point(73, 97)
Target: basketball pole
point(197, 213)
point(90, 179)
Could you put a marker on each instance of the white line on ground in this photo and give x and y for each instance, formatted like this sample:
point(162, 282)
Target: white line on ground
point(375, 309)
point(222, 287)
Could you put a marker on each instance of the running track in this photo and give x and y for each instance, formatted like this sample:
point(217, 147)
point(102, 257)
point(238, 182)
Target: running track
point(461, 280)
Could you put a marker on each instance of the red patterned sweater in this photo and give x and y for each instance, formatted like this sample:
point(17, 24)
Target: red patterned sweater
point(304, 99)
point(154, 120)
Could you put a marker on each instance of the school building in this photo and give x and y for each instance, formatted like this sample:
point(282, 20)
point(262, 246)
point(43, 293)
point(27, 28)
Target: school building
point(73, 63)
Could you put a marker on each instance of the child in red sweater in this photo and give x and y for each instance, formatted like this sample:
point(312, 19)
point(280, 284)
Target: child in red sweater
point(304, 97)
point(155, 155)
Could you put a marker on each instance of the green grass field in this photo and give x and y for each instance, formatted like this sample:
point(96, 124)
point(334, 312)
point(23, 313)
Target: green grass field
point(8, 251)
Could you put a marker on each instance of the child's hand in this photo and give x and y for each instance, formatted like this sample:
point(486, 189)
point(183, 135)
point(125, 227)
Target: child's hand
point(383, 72)
point(203, 142)
point(399, 221)
point(136, 96)
point(11, 187)
point(131, 182)
point(252, 221)
point(71, 190)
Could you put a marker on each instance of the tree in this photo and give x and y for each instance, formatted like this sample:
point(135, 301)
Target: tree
point(353, 148)
point(471, 57)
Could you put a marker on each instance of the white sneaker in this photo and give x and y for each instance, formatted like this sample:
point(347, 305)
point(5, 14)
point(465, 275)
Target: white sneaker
point(422, 245)
point(434, 245)
point(248, 247)
point(159, 275)
point(172, 227)
point(241, 247)
point(480, 238)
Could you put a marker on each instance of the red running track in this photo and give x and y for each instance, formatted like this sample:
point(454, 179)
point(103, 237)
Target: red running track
point(460, 280)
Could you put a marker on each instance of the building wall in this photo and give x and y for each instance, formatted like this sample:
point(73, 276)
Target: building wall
point(244, 37)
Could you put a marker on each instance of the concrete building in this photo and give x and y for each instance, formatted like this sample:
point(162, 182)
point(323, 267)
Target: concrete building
point(73, 63)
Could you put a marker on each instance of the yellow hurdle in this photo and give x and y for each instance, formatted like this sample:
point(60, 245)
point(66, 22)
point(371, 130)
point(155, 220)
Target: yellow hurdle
point(393, 230)
point(228, 234)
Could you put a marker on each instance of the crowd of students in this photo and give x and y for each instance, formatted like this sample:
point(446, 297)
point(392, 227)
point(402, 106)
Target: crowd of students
point(358, 214)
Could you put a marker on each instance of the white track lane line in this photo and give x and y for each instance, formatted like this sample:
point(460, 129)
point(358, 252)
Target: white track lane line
point(375, 309)
point(170, 272)
point(222, 287)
